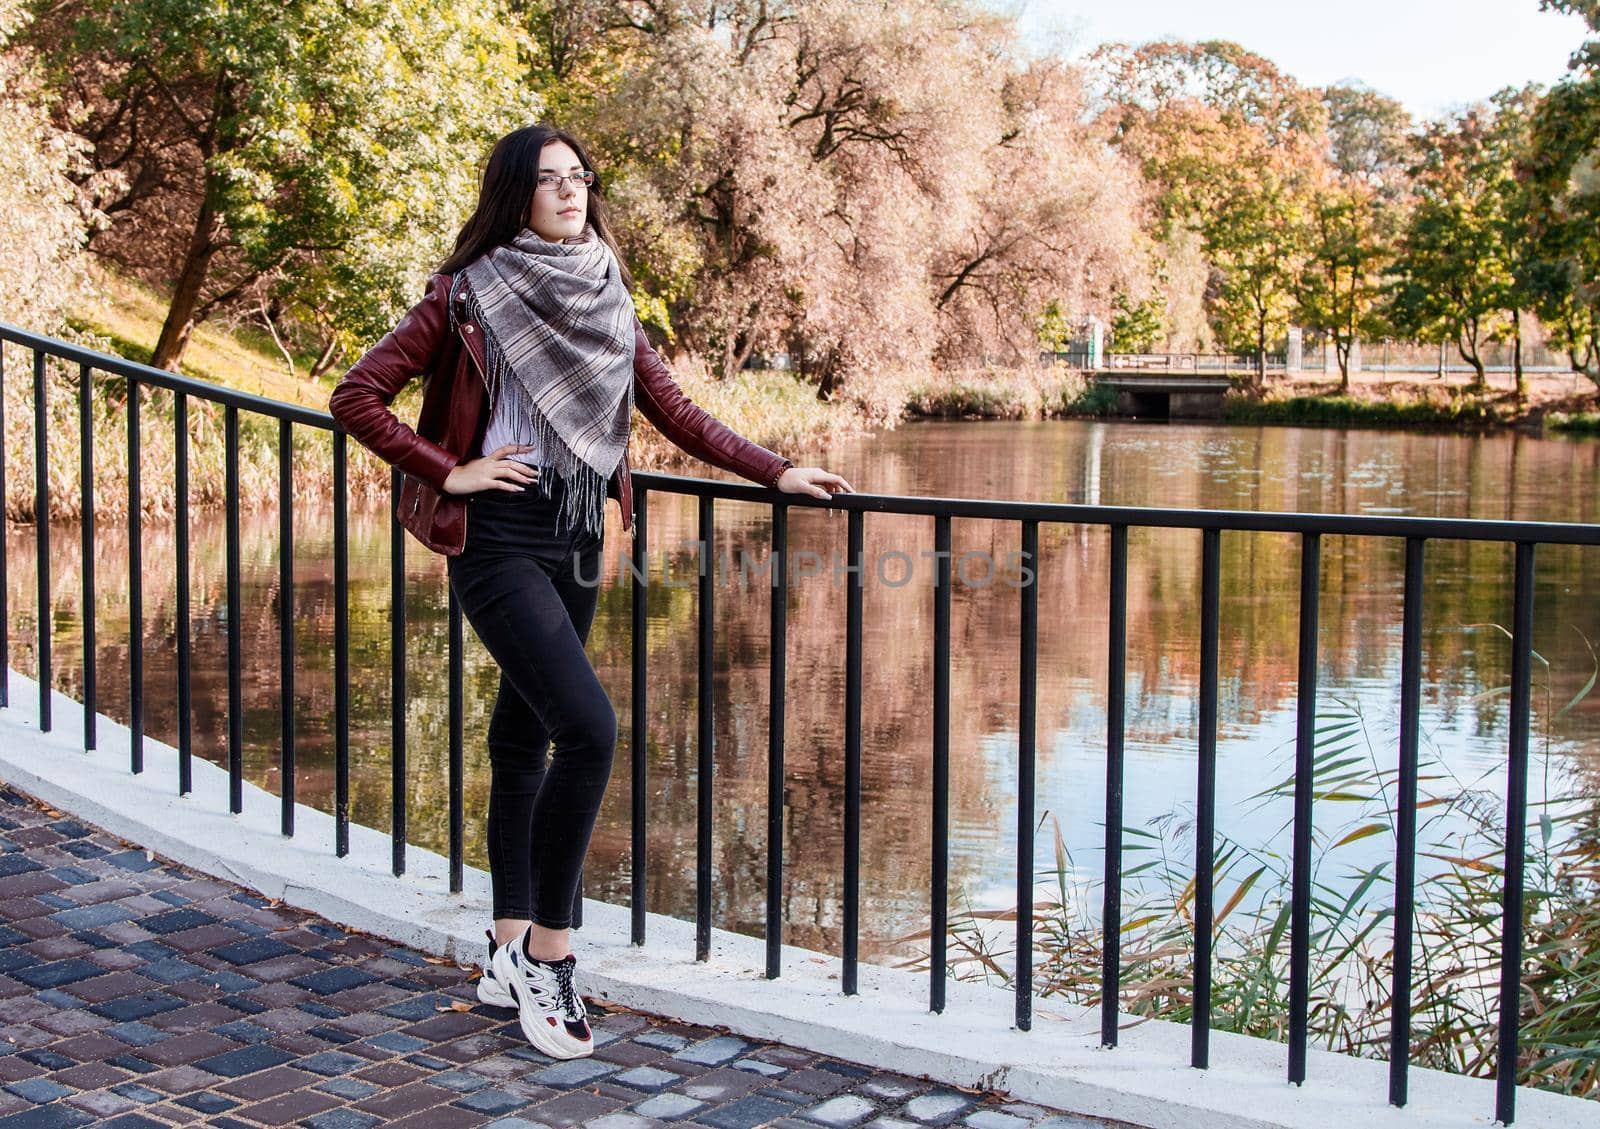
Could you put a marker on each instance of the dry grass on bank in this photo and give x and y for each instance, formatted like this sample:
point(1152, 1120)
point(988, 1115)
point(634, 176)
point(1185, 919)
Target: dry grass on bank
point(1025, 392)
point(129, 315)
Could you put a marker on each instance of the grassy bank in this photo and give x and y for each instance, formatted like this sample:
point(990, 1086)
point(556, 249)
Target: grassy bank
point(1352, 411)
point(127, 320)
point(1574, 423)
point(1042, 392)
point(1060, 392)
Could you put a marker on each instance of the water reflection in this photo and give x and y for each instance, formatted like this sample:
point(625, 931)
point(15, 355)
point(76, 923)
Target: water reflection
point(1197, 466)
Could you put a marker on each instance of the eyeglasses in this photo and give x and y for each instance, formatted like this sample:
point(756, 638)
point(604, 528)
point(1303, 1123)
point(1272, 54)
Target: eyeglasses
point(550, 182)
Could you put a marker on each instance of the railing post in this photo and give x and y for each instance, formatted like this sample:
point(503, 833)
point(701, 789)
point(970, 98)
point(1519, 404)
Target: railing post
point(86, 528)
point(397, 678)
point(180, 509)
point(1405, 847)
point(41, 522)
point(1304, 779)
point(639, 723)
point(230, 424)
point(777, 665)
point(286, 749)
point(1027, 717)
point(341, 646)
point(704, 753)
point(135, 584)
point(1505, 1071)
point(1205, 829)
point(457, 744)
point(1116, 692)
point(852, 756)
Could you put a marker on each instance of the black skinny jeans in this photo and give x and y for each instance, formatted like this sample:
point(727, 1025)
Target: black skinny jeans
point(517, 582)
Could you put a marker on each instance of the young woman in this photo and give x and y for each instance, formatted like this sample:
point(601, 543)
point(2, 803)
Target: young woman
point(534, 360)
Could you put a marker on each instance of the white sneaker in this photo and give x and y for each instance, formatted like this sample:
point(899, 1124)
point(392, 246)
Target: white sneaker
point(490, 990)
point(548, 1006)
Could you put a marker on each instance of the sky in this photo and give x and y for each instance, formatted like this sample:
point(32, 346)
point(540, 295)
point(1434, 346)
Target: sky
point(1432, 55)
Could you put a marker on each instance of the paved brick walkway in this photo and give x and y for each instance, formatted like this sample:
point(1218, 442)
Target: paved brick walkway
point(135, 993)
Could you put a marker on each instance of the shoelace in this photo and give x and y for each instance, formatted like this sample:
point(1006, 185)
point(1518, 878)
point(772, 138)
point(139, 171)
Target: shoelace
point(565, 992)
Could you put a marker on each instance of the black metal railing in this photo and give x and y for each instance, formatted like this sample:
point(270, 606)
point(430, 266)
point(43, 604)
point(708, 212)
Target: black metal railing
point(1211, 524)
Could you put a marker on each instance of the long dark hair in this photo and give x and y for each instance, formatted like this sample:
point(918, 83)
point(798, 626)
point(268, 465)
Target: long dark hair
point(505, 194)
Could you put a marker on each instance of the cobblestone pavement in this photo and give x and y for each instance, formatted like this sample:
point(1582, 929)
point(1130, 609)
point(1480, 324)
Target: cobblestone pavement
point(135, 993)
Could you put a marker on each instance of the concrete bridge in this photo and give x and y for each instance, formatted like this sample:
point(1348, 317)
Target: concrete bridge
point(1168, 385)
point(1155, 395)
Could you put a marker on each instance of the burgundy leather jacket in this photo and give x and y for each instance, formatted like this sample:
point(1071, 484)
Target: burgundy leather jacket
point(455, 412)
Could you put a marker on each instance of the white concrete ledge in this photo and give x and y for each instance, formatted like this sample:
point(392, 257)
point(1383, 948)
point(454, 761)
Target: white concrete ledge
point(1146, 1080)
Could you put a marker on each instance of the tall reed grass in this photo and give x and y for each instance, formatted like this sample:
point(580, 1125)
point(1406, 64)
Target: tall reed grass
point(1461, 842)
point(109, 413)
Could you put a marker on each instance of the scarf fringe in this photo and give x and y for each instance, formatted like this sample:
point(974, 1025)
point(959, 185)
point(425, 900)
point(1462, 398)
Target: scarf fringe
point(584, 488)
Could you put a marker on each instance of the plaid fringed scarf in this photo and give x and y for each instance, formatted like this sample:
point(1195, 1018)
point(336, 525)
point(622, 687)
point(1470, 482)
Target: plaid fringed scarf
point(557, 321)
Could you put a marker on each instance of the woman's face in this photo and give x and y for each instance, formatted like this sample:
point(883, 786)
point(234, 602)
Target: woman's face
point(561, 213)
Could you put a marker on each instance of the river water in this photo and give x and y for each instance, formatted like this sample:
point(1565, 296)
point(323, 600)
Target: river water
point(1466, 659)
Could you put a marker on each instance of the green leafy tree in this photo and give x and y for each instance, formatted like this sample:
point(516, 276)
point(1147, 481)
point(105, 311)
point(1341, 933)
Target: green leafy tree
point(1562, 176)
point(1055, 328)
point(1454, 274)
point(1340, 291)
point(250, 152)
point(1508, 143)
point(1136, 326)
point(1255, 243)
point(1353, 220)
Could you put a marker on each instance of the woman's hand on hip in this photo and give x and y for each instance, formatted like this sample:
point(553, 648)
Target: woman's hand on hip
point(493, 471)
point(813, 480)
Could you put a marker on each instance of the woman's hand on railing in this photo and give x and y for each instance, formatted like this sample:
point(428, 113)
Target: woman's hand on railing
point(813, 480)
point(492, 472)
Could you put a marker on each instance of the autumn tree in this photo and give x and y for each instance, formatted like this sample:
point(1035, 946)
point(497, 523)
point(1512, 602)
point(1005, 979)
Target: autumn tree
point(42, 225)
point(1058, 216)
point(1232, 146)
point(864, 186)
point(246, 152)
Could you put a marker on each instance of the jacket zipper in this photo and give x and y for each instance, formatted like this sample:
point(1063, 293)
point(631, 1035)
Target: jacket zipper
point(473, 357)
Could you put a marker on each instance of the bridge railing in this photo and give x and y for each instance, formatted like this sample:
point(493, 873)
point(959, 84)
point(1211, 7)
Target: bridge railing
point(1170, 364)
point(1026, 517)
point(1192, 363)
